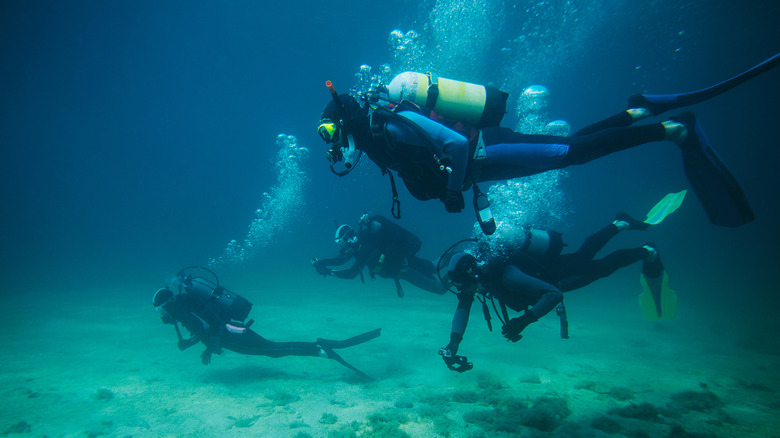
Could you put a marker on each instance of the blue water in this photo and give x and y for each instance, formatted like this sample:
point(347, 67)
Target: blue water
point(138, 137)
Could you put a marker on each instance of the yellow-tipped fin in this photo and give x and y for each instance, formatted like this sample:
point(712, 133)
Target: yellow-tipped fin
point(658, 301)
point(665, 207)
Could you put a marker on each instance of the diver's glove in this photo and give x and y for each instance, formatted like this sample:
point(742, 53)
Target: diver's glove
point(511, 330)
point(454, 362)
point(451, 359)
point(453, 201)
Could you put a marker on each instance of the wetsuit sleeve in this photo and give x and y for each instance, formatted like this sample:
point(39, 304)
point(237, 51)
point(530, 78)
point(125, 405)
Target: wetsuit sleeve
point(334, 261)
point(451, 142)
point(361, 258)
point(518, 290)
point(460, 320)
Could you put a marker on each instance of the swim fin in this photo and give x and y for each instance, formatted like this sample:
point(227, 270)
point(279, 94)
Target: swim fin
point(659, 103)
point(713, 183)
point(666, 206)
point(329, 345)
point(351, 342)
point(656, 299)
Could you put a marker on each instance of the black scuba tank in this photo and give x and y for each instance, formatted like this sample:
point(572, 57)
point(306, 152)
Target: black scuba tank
point(228, 305)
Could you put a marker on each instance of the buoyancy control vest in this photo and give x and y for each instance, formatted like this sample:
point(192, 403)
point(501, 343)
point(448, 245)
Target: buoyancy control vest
point(421, 168)
point(225, 305)
point(403, 241)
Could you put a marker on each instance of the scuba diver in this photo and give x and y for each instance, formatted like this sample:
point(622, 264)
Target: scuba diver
point(216, 317)
point(534, 277)
point(442, 137)
point(386, 249)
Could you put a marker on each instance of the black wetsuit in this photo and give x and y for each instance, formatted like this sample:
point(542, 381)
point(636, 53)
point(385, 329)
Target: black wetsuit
point(387, 250)
point(490, 154)
point(526, 283)
point(215, 333)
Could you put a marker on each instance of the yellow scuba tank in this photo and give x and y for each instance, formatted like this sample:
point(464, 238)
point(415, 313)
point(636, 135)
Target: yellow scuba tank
point(474, 104)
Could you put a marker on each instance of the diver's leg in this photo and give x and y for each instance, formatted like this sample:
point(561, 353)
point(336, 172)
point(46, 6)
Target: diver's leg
point(620, 120)
point(585, 148)
point(510, 154)
point(420, 272)
point(621, 258)
point(596, 241)
point(584, 272)
point(249, 342)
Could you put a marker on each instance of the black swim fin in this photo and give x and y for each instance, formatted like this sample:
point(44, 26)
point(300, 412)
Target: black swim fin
point(351, 342)
point(713, 183)
point(660, 103)
point(333, 355)
point(330, 345)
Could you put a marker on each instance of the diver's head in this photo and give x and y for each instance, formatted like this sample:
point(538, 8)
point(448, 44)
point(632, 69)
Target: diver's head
point(162, 298)
point(462, 270)
point(344, 126)
point(345, 236)
point(341, 118)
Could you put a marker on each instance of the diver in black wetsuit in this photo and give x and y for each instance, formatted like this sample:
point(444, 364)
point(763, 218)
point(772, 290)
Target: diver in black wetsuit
point(533, 279)
point(386, 249)
point(441, 140)
point(215, 316)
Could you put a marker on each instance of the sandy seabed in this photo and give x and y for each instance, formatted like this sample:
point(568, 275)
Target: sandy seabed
point(102, 364)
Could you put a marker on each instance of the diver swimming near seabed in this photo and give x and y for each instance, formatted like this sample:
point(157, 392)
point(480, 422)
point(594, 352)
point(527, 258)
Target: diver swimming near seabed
point(533, 279)
point(386, 249)
point(442, 137)
point(217, 318)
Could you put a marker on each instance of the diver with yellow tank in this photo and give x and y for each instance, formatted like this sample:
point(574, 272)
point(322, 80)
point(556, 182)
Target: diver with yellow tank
point(442, 137)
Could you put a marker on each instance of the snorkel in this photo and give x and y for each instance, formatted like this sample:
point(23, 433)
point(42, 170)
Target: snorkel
point(341, 152)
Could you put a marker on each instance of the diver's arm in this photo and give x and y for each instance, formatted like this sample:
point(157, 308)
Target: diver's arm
point(332, 261)
point(455, 145)
point(549, 300)
point(460, 320)
point(361, 258)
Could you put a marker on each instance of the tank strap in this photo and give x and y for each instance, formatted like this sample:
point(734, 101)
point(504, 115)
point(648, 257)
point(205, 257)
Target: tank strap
point(478, 154)
point(527, 241)
point(433, 90)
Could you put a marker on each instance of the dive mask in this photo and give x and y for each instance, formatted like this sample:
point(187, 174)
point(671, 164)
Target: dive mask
point(329, 131)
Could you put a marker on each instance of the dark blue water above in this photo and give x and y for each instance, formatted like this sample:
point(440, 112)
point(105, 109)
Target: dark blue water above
point(139, 136)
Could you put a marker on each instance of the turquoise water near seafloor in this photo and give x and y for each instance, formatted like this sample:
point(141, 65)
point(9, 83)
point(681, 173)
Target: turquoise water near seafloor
point(143, 138)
